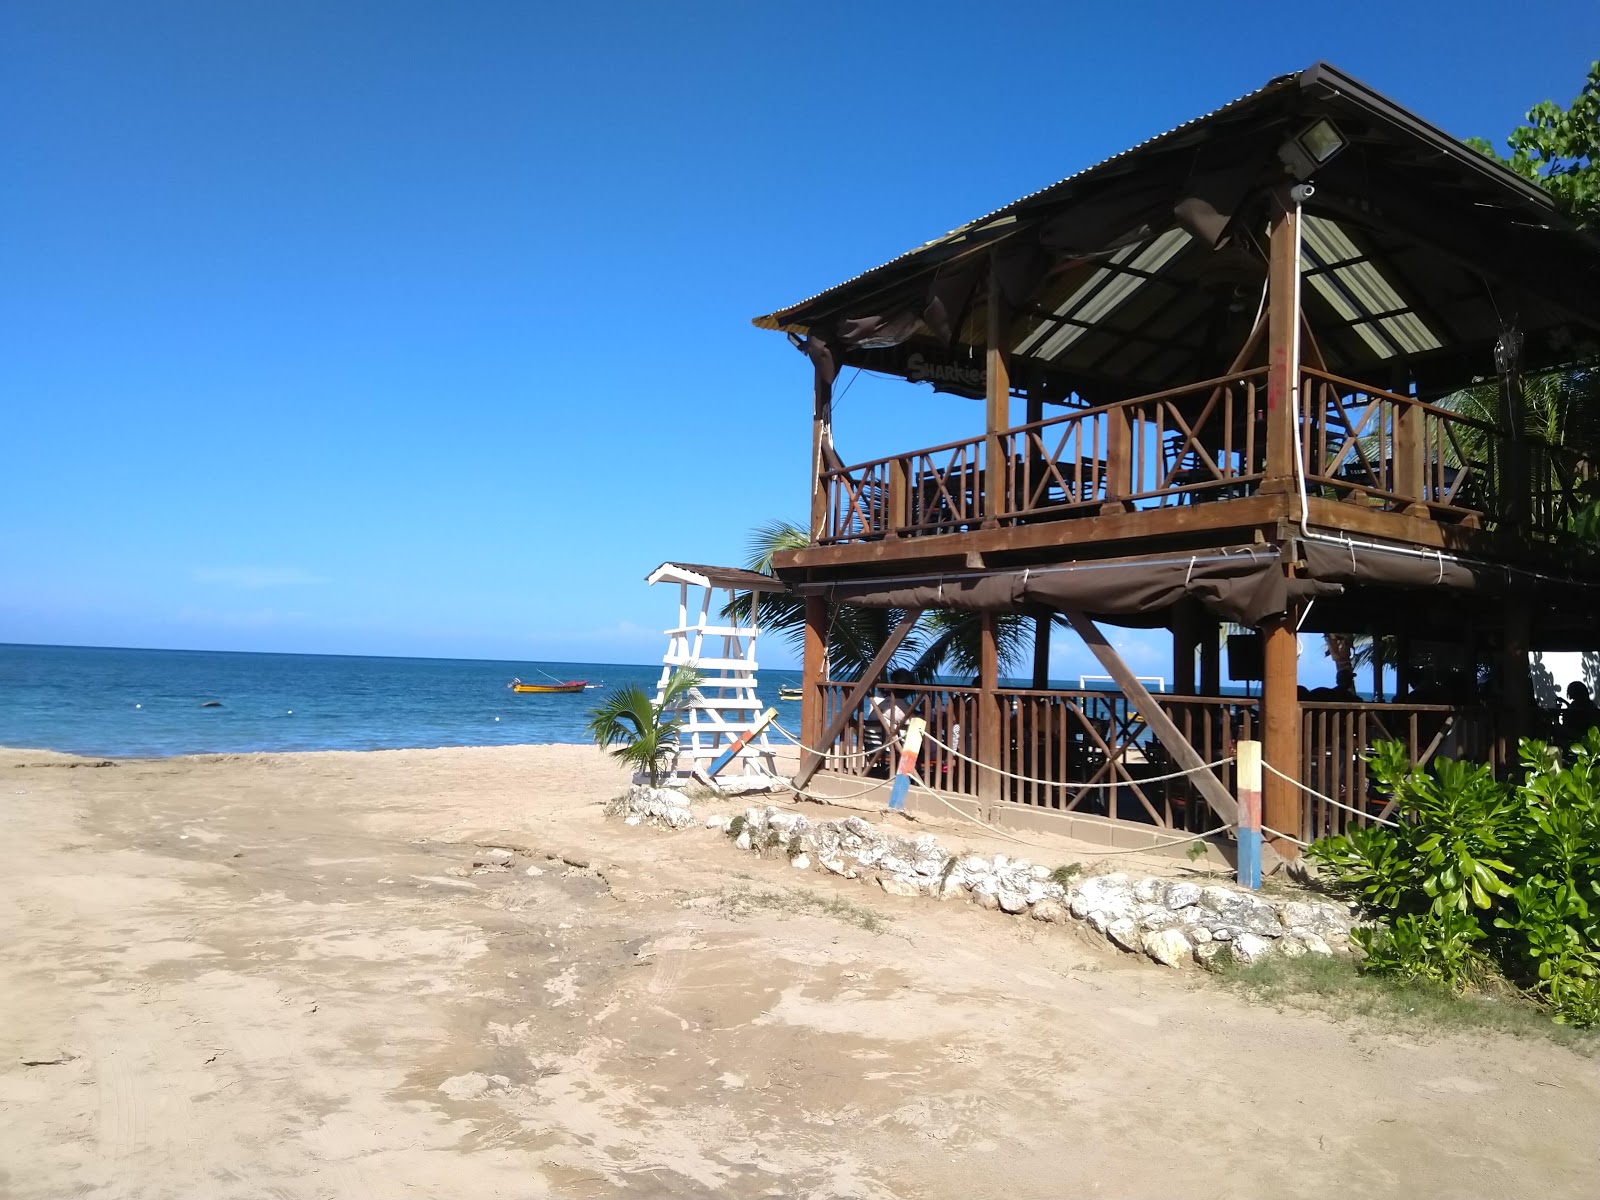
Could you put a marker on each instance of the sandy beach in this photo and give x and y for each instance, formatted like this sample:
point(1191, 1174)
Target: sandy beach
point(278, 975)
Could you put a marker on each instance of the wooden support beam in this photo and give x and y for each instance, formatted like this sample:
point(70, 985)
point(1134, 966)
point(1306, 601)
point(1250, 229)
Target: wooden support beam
point(821, 451)
point(1205, 782)
point(1283, 408)
point(1185, 641)
point(1516, 685)
point(810, 761)
point(899, 490)
point(1041, 650)
point(1210, 655)
point(813, 669)
point(991, 785)
point(1280, 732)
point(997, 403)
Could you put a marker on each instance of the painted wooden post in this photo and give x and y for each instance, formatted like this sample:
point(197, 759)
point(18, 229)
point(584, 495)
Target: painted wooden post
point(740, 742)
point(997, 405)
point(1280, 731)
point(1410, 478)
point(1247, 776)
point(910, 747)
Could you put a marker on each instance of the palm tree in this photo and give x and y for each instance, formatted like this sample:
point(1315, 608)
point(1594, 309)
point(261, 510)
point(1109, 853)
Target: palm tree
point(944, 641)
point(640, 731)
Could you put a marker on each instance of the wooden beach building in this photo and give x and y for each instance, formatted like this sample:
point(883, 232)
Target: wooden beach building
point(1211, 381)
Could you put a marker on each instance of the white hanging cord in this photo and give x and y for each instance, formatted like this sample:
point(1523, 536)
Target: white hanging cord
point(1326, 800)
point(839, 754)
point(1082, 787)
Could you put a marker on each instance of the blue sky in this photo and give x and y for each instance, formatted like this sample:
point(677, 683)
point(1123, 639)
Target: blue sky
point(406, 328)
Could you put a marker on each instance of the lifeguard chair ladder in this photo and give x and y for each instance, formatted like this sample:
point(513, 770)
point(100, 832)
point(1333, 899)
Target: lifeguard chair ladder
point(725, 704)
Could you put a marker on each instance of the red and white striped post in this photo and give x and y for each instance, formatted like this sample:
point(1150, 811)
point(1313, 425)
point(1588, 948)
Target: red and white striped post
point(1247, 768)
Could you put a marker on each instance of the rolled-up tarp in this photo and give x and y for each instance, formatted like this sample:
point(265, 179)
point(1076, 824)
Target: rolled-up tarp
point(1246, 584)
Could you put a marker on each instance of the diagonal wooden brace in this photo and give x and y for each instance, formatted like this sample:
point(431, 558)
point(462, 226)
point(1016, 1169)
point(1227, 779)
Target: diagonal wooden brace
point(1205, 781)
point(810, 760)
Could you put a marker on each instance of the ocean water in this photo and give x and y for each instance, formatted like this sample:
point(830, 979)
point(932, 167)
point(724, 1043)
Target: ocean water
point(148, 703)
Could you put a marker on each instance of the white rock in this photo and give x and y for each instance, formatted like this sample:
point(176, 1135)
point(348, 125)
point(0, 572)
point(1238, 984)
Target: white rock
point(1199, 934)
point(1013, 902)
point(801, 862)
point(953, 889)
point(743, 840)
point(716, 821)
point(635, 819)
point(899, 885)
point(1169, 947)
point(989, 900)
point(1049, 910)
point(1125, 933)
point(1099, 920)
point(1209, 954)
point(1292, 948)
point(1041, 873)
point(1180, 895)
point(534, 871)
point(1249, 949)
point(976, 864)
point(1148, 891)
point(492, 856)
point(1312, 943)
point(834, 866)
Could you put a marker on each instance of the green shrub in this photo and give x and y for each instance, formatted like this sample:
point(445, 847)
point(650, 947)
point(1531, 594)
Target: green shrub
point(1480, 876)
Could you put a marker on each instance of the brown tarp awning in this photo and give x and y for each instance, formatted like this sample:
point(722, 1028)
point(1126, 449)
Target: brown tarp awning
point(1246, 584)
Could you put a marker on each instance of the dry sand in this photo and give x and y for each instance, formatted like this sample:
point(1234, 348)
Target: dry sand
point(267, 975)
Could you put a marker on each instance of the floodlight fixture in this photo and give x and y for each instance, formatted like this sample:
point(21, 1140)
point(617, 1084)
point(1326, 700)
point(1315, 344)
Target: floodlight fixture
point(1314, 146)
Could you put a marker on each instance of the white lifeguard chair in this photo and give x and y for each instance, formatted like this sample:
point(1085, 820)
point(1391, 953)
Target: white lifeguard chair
point(725, 705)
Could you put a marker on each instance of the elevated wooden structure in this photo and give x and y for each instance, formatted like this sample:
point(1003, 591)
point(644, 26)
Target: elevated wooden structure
point(1220, 379)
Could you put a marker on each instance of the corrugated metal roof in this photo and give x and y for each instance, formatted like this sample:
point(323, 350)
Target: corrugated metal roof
point(771, 320)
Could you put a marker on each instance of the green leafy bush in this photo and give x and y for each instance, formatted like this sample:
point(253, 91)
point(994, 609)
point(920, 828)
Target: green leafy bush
point(1481, 876)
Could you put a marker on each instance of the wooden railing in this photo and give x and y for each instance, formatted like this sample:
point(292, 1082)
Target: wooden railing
point(1091, 753)
point(1097, 751)
point(1207, 442)
point(1365, 445)
point(1336, 738)
point(952, 716)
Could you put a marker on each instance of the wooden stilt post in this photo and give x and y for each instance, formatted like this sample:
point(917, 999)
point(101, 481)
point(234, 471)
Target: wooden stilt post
point(1283, 432)
point(1210, 655)
point(809, 760)
point(813, 670)
point(991, 751)
point(997, 406)
point(821, 451)
point(1516, 684)
point(1280, 736)
point(1041, 650)
point(1185, 640)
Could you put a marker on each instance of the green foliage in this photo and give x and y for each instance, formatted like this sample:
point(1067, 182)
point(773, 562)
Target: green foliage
point(1559, 149)
point(1064, 875)
point(640, 732)
point(1482, 877)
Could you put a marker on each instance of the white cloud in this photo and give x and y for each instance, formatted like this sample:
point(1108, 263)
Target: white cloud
point(256, 577)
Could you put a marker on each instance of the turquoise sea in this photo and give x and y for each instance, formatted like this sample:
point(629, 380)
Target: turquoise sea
point(148, 703)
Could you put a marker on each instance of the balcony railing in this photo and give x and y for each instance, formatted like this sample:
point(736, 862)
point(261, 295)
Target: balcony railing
point(1208, 442)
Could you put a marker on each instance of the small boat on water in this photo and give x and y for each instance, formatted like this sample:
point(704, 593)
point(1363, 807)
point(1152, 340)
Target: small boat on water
point(570, 685)
point(789, 693)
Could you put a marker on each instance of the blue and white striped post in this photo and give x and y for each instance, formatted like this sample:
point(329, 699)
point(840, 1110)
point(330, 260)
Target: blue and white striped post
point(740, 742)
point(1247, 767)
